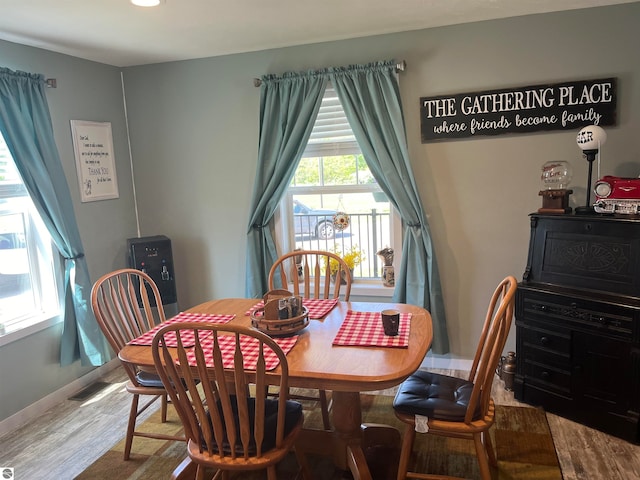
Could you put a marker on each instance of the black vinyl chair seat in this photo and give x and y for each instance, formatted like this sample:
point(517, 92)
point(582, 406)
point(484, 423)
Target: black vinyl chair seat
point(435, 396)
point(293, 412)
point(150, 380)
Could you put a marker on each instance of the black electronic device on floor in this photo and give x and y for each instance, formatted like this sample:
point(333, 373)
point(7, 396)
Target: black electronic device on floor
point(153, 255)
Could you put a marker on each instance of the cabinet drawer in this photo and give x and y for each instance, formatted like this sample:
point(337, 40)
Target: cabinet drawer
point(544, 371)
point(539, 338)
point(558, 311)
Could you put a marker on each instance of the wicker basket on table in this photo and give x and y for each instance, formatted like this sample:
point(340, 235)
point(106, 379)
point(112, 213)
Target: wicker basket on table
point(267, 319)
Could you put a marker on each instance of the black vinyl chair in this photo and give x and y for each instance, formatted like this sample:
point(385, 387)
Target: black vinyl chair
point(455, 407)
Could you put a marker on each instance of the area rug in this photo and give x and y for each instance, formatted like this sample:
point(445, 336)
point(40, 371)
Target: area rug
point(521, 435)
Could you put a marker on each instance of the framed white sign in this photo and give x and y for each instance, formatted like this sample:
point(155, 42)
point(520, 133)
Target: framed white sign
point(93, 147)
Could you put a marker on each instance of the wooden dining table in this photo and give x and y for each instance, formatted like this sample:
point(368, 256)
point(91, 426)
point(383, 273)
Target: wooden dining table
point(314, 362)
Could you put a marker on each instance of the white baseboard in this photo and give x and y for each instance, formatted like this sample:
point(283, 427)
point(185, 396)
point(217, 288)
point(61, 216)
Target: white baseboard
point(36, 409)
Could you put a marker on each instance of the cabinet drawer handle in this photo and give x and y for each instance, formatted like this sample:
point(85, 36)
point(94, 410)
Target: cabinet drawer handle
point(545, 375)
point(544, 340)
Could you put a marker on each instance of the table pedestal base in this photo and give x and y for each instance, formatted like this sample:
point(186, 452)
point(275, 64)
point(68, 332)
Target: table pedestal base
point(360, 449)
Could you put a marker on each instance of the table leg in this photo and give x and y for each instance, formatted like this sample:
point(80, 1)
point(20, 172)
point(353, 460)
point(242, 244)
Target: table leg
point(347, 420)
point(381, 447)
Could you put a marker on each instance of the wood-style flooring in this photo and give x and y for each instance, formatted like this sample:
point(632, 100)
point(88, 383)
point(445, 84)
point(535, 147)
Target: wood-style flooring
point(68, 438)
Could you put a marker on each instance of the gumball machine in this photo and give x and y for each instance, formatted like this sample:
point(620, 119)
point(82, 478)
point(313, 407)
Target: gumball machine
point(555, 178)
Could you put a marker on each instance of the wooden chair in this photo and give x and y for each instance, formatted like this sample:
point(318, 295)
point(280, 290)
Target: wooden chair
point(115, 301)
point(228, 424)
point(310, 267)
point(454, 407)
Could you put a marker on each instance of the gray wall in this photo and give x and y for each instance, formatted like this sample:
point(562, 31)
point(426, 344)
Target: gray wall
point(198, 120)
point(194, 127)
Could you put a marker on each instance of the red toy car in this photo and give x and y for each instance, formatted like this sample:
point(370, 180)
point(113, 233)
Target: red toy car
point(617, 195)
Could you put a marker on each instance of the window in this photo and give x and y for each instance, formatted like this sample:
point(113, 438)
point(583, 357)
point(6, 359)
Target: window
point(28, 291)
point(333, 178)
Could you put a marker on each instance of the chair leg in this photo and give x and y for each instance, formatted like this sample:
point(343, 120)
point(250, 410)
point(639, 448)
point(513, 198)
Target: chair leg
point(200, 473)
point(131, 426)
point(491, 453)
point(271, 473)
point(305, 470)
point(163, 408)
point(405, 452)
point(324, 407)
point(481, 453)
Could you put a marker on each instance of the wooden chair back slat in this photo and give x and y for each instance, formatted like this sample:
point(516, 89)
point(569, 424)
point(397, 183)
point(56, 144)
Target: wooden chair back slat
point(316, 273)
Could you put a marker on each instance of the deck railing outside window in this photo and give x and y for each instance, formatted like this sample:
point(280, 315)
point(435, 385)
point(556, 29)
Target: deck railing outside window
point(367, 231)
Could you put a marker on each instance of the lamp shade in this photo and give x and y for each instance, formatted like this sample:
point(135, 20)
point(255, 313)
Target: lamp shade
point(591, 137)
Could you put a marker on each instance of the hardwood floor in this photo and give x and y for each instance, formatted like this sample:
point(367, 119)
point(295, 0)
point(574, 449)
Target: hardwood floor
point(66, 439)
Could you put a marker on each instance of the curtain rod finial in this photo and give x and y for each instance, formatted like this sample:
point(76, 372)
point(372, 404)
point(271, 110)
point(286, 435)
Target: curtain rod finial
point(51, 82)
point(257, 82)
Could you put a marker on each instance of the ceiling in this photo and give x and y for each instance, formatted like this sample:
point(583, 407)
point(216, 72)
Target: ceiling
point(117, 33)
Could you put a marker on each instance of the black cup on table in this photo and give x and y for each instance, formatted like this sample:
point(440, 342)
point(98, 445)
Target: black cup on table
point(390, 322)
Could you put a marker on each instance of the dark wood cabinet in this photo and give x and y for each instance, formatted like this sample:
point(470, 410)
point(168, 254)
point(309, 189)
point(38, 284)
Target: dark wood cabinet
point(578, 321)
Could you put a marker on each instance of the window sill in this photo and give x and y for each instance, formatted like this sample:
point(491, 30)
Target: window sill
point(371, 289)
point(363, 288)
point(32, 325)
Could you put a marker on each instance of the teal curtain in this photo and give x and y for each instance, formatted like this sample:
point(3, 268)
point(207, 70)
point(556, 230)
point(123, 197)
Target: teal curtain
point(25, 124)
point(371, 100)
point(288, 108)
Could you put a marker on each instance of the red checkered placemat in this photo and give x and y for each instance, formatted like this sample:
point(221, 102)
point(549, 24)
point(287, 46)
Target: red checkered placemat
point(318, 307)
point(250, 350)
point(365, 329)
point(187, 336)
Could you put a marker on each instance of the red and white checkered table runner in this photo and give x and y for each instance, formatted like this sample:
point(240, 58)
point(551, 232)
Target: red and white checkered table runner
point(188, 339)
point(250, 351)
point(365, 329)
point(318, 307)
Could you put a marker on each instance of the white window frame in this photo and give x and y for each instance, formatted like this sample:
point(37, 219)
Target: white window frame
point(340, 141)
point(45, 267)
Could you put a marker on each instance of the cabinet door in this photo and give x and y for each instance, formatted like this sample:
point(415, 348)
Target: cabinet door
point(601, 373)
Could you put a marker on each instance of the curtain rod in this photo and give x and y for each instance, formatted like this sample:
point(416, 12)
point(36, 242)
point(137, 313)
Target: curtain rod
point(400, 67)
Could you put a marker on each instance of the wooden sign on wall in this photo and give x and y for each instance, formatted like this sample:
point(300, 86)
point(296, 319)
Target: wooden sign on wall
point(559, 106)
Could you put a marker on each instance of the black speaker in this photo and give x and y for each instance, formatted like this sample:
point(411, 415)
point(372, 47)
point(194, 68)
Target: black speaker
point(153, 256)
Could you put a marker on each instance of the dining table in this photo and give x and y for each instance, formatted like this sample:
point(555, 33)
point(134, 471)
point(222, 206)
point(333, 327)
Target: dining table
point(329, 356)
